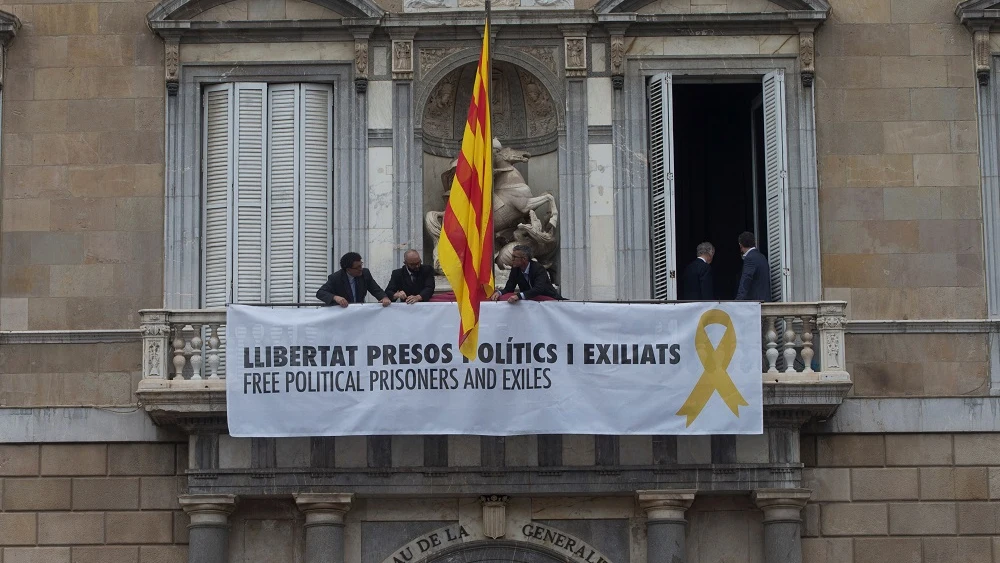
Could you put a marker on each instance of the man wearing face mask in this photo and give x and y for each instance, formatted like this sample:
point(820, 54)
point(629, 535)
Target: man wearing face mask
point(413, 282)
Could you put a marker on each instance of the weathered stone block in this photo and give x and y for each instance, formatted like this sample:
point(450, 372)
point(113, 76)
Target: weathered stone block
point(160, 493)
point(85, 280)
point(914, 72)
point(106, 494)
point(939, 39)
point(854, 519)
point(907, 137)
point(828, 484)
point(847, 72)
point(945, 169)
point(918, 449)
point(880, 550)
point(902, 205)
point(850, 138)
point(37, 494)
point(74, 459)
point(17, 529)
point(18, 460)
point(36, 555)
point(65, 19)
point(865, 39)
point(82, 214)
point(827, 550)
point(105, 554)
point(70, 528)
point(26, 215)
point(957, 550)
point(101, 50)
point(65, 84)
point(131, 147)
point(35, 116)
point(885, 484)
point(163, 554)
point(101, 181)
point(977, 449)
point(925, 518)
point(978, 518)
point(142, 459)
point(140, 527)
point(861, 11)
point(954, 483)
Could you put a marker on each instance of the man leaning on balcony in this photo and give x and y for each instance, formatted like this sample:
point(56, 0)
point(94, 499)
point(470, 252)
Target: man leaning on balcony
point(350, 284)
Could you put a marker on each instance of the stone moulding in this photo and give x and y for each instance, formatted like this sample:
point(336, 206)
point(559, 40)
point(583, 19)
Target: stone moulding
point(109, 336)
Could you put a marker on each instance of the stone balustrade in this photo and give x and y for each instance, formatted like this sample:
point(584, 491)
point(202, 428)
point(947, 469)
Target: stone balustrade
point(190, 344)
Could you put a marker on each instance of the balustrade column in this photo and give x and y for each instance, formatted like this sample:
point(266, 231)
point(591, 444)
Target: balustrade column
point(208, 540)
point(324, 525)
point(666, 525)
point(782, 523)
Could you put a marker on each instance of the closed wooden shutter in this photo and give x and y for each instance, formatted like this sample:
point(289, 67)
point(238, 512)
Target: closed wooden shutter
point(661, 186)
point(776, 184)
point(250, 162)
point(283, 173)
point(217, 174)
point(316, 188)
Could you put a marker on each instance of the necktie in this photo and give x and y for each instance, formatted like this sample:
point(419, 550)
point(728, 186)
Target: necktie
point(354, 289)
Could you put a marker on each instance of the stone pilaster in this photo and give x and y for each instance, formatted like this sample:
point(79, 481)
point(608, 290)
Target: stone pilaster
point(666, 524)
point(209, 528)
point(324, 525)
point(782, 523)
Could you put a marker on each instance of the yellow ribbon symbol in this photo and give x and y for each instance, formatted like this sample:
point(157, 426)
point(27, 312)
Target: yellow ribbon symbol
point(715, 361)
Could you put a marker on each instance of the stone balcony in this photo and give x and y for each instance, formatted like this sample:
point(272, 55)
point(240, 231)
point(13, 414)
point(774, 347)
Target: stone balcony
point(802, 355)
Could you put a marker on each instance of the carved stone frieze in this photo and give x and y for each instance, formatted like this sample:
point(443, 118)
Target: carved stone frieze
point(618, 61)
point(545, 55)
point(440, 110)
point(402, 59)
point(576, 53)
point(807, 57)
point(538, 105)
point(430, 57)
point(982, 54)
point(361, 65)
point(171, 60)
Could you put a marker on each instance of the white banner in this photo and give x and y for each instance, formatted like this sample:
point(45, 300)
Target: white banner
point(543, 368)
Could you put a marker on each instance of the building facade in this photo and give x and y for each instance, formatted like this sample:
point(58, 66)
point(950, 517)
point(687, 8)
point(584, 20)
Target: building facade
point(160, 160)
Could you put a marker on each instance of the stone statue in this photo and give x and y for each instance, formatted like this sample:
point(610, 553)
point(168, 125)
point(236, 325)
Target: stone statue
point(515, 217)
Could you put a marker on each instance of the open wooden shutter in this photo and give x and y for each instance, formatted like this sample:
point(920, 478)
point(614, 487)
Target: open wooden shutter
point(316, 225)
point(776, 184)
point(283, 173)
point(249, 160)
point(217, 173)
point(661, 186)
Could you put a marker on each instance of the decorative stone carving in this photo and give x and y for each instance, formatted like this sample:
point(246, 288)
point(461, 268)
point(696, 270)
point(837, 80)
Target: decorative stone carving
point(171, 60)
point(440, 110)
point(538, 105)
point(494, 515)
point(515, 212)
point(429, 58)
point(546, 55)
point(576, 53)
point(421, 5)
point(618, 61)
point(807, 57)
point(402, 59)
point(155, 330)
point(361, 66)
point(982, 54)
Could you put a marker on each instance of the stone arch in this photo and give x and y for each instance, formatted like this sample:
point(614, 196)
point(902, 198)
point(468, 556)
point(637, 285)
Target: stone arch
point(505, 551)
point(185, 9)
point(471, 55)
point(611, 6)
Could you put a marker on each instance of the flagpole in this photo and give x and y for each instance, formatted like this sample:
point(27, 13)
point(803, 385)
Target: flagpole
point(489, 90)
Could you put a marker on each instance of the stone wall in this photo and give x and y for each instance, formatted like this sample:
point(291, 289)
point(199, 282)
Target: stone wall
point(48, 375)
point(901, 228)
point(902, 497)
point(934, 365)
point(93, 503)
point(82, 226)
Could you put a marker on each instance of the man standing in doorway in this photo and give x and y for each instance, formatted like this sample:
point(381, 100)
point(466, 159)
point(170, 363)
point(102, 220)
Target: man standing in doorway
point(696, 280)
point(412, 283)
point(350, 284)
point(755, 281)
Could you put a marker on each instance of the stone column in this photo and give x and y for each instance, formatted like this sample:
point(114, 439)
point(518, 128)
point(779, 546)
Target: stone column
point(666, 525)
point(324, 525)
point(782, 523)
point(208, 540)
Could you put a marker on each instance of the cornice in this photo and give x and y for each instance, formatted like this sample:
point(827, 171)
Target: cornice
point(112, 336)
point(922, 326)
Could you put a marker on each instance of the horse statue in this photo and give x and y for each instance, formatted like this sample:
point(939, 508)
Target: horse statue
point(515, 211)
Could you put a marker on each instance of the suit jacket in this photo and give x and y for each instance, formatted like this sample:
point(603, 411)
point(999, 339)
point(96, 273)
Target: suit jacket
point(423, 285)
point(696, 281)
point(755, 281)
point(539, 284)
point(337, 284)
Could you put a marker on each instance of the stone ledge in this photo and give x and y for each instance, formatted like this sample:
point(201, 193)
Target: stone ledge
point(731, 478)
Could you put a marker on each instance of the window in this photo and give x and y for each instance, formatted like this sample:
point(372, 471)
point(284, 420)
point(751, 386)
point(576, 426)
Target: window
point(267, 179)
point(709, 151)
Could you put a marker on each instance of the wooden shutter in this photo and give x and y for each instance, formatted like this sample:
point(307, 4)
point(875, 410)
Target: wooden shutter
point(217, 174)
point(661, 186)
point(776, 184)
point(283, 172)
point(249, 162)
point(316, 226)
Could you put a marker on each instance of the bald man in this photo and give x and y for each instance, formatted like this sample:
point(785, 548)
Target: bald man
point(412, 283)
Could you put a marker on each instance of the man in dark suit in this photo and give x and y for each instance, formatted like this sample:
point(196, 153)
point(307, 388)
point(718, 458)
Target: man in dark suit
point(527, 276)
point(413, 282)
point(696, 280)
point(755, 281)
point(350, 283)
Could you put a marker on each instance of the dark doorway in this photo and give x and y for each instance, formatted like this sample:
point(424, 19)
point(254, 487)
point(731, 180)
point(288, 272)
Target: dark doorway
point(715, 140)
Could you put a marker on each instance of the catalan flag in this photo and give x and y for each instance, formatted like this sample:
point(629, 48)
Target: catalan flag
point(466, 245)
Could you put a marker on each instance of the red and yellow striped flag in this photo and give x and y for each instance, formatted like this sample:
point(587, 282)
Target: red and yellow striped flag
point(466, 246)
